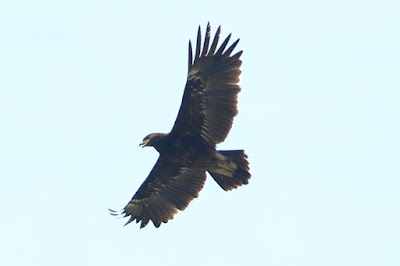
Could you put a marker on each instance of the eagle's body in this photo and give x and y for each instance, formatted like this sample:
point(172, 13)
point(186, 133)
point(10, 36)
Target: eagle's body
point(189, 150)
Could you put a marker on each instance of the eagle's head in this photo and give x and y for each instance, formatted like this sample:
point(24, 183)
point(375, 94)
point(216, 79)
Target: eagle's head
point(152, 140)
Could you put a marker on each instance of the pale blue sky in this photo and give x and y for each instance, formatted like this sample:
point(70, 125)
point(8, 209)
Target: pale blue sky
point(82, 82)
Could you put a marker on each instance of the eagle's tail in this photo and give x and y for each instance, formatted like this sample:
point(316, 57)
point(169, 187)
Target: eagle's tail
point(232, 171)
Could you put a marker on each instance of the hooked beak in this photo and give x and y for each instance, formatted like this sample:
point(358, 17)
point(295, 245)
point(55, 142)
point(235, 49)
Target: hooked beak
point(143, 143)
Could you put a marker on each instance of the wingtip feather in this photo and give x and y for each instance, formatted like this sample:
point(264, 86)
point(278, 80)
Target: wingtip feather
point(190, 63)
point(223, 45)
point(206, 40)
point(230, 49)
point(215, 42)
point(198, 45)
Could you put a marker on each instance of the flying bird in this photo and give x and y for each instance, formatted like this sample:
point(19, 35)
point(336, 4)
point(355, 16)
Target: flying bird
point(205, 118)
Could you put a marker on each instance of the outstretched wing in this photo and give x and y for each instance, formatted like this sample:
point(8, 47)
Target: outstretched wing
point(168, 188)
point(210, 99)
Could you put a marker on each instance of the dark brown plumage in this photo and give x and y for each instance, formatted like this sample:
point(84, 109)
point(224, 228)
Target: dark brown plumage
point(205, 118)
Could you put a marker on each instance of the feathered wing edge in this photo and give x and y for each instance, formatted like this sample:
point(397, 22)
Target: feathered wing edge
point(162, 194)
point(214, 45)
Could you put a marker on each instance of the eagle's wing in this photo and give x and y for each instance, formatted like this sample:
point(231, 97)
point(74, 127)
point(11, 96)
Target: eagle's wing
point(168, 188)
point(210, 97)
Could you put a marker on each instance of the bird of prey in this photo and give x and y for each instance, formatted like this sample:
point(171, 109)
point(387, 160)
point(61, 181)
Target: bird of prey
point(205, 118)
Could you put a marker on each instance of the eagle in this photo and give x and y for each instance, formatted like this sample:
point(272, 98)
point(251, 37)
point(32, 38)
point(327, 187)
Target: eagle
point(205, 118)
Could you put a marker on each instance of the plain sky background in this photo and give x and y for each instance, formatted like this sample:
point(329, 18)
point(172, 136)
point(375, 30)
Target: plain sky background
point(82, 82)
